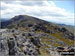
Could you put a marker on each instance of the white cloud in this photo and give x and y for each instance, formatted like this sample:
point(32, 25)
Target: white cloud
point(41, 9)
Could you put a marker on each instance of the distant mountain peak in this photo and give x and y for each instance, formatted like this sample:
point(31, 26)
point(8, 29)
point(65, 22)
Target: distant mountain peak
point(26, 21)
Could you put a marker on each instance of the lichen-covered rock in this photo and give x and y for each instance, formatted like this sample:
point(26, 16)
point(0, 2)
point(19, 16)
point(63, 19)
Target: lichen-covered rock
point(18, 44)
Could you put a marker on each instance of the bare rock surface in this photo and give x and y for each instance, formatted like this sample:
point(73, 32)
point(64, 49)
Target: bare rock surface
point(14, 42)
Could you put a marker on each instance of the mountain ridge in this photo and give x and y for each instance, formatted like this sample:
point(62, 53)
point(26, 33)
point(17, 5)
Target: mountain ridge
point(37, 24)
point(50, 35)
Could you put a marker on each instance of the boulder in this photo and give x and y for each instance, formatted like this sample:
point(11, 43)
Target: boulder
point(11, 45)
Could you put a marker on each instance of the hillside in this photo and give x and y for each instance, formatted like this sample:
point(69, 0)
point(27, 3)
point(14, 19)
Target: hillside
point(68, 27)
point(51, 35)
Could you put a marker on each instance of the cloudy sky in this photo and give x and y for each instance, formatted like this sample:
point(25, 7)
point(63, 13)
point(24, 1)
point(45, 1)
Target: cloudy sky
point(53, 11)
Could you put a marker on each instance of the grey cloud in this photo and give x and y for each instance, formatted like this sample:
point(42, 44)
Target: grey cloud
point(24, 2)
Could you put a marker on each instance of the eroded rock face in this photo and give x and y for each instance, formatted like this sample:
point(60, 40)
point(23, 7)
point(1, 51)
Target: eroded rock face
point(11, 46)
point(18, 44)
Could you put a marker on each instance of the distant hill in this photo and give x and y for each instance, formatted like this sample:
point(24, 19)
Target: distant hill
point(3, 20)
point(69, 27)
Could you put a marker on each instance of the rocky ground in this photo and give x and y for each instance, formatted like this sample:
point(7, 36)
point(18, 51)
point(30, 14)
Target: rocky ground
point(18, 44)
point(14, 42)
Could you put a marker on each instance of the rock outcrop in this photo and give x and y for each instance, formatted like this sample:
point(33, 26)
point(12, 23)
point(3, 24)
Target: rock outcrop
point(18, 44)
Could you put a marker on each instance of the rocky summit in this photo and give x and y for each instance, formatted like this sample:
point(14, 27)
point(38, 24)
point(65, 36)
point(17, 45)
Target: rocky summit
point(29, 36)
